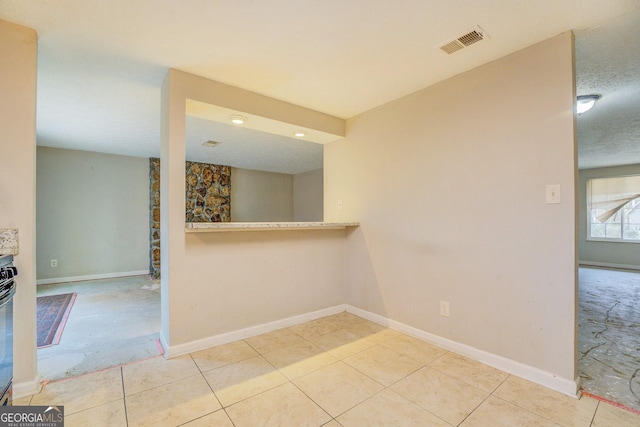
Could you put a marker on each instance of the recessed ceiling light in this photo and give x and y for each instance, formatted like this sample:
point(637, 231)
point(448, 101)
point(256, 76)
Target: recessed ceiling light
point(210, 143)
point(299, 134)
point(237, 119)
point(586, 102)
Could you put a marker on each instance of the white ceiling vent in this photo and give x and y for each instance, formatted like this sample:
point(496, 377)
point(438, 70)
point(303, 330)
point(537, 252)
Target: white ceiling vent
point(467, 39)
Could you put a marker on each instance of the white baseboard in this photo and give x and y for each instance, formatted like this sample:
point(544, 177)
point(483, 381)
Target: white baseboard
point(538, 376)
point(546, 379)
point(26, 388)
point(608, 265)
point(225, 338)
point(91, 277)
point(164, 344)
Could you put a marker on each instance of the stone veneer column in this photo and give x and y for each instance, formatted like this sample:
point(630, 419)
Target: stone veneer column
point(154, 218)
point(208, 199)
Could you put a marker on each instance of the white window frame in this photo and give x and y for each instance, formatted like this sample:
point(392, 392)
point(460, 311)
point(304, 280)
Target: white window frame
point(621, 214)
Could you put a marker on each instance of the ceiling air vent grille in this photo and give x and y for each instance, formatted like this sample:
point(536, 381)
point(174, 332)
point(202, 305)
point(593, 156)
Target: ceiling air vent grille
point(452, 46)
point(465, 40)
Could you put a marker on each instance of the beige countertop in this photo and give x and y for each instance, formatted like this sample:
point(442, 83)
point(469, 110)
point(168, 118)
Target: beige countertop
point(8, 241)
point(202, 227)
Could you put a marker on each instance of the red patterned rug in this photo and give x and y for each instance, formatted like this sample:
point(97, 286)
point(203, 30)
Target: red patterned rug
point(53, 311)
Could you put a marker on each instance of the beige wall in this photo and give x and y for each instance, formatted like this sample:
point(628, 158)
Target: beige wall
point(308, 196)
point(613, 254)
point(217, 283)
point(258, 196)
point(449, 187)
point(93, 214)
point(17, 185)
point(457, 215)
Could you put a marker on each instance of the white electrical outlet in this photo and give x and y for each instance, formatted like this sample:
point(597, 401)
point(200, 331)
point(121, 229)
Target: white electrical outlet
point(54, 263)
point(444, 308)
point(340, 204)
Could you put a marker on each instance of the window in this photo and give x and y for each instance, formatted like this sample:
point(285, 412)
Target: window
point(613, 206)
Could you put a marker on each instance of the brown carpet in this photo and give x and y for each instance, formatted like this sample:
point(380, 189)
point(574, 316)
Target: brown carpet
point(53, 311)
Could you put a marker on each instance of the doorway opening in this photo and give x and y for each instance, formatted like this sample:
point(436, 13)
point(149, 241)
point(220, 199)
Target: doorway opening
point(609, 258)
point(92, 231)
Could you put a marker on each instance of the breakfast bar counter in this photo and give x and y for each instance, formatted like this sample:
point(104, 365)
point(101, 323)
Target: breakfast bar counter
point(207, 227)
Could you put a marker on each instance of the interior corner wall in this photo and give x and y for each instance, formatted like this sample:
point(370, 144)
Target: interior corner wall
point(93, 214)
point(606, 254)
point(448, 184)
point(259, 196)
point(308, 195)
point(17, 187)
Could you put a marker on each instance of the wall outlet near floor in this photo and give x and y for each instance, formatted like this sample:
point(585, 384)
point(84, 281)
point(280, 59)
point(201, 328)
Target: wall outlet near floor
point(444, 308)
point(54, 263)
point(340, 204)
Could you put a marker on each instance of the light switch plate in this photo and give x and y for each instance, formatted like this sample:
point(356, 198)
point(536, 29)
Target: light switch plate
point(553, 194)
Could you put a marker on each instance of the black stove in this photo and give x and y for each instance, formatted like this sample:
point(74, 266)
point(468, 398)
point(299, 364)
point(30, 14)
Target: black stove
point(7, 290)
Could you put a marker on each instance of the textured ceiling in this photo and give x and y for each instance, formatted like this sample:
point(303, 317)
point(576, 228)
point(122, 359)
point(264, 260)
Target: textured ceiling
point(608, 64)
point(101, 63)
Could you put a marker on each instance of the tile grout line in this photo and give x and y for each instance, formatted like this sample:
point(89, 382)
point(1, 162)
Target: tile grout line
point(292, 381)
point(124, 398)
point(331, 364)
point(222, 408)
point(425, 409)
point(594, 414)
point(519, 406)
point(385, 387)
point(477, 406)
point(210, 388)
point(229, 416)
point(163, 385)
point(311, 399)
point(524, 409)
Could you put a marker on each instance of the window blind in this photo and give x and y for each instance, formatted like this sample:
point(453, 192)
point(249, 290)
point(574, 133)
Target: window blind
point(609, 195)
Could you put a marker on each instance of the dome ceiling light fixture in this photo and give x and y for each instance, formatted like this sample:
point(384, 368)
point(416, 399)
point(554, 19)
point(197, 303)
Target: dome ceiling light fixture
point(237, 119)
point(299, 134)
point(586, 102)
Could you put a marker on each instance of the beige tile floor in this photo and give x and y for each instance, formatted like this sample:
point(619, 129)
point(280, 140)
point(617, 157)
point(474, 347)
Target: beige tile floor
point(335, 371)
